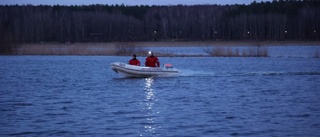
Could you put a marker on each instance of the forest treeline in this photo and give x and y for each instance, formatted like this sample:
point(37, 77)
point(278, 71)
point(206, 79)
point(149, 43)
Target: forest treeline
point(276, 20)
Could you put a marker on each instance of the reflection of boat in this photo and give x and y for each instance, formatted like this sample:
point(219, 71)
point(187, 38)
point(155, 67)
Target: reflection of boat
point(137, 71)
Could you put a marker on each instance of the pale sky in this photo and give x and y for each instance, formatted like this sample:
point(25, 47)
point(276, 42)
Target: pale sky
point(125, 2)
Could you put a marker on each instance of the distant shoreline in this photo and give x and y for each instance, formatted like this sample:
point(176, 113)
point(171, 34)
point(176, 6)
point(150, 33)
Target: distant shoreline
point(226, 43)
point(126, 48)
point(192, 43)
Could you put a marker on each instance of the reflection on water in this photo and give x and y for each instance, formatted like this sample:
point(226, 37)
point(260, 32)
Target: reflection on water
point(150, 114)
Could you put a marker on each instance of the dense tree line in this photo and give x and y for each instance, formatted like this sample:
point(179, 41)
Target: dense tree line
point(276, 20)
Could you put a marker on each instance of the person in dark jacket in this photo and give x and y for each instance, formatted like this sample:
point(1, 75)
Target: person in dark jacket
point(152, 61)
point(134, 60)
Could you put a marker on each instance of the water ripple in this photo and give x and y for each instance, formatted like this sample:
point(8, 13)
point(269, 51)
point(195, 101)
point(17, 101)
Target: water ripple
point(80, 96)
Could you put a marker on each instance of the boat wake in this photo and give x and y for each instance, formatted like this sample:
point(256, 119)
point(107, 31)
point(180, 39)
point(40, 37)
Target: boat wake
point(278, 73)
point(191, 73)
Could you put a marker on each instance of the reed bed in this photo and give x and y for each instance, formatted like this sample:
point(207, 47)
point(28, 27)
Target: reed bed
point(129, 48)
point(64, 49)
point(119, 49)
point(256, 51)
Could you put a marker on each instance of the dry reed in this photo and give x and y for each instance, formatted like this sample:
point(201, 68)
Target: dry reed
point(257, 51)
point(78, 49)
point(129, 48)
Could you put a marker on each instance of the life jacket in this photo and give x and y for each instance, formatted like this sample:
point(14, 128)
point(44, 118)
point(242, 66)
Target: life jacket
point(134, 61)
point(152, 61)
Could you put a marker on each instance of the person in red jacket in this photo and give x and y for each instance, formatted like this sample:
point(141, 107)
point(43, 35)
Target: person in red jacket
point(134, 60)
point(152, 61)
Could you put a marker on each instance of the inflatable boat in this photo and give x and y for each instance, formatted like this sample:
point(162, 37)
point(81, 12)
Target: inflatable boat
point(138, 71)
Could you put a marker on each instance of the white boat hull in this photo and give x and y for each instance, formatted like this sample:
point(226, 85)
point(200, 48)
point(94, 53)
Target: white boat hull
point(137, 71)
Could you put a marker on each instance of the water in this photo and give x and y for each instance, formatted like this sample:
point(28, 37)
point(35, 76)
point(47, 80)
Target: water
point(81, 96)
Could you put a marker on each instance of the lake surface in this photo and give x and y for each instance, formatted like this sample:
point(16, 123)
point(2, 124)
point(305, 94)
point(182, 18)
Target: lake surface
point(213, 96)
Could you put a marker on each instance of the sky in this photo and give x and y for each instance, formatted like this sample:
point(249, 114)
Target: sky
point(125, 2)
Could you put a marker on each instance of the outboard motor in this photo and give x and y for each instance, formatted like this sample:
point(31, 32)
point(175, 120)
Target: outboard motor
point(168, 66)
